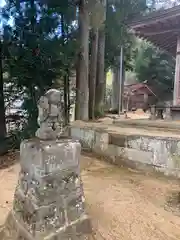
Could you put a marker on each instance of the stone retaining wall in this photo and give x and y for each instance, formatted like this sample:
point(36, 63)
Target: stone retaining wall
point(142, 152)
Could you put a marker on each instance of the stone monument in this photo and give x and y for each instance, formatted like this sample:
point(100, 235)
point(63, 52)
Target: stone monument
point(49, 200)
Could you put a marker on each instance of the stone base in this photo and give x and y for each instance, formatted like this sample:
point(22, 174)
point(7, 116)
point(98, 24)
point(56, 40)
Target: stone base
point(49, 202)
point(78, 230)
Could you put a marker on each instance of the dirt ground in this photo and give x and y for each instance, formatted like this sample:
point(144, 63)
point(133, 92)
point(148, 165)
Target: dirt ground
point(124, 204)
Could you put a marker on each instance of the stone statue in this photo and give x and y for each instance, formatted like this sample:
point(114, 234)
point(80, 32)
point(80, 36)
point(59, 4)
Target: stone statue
point(50, 117)
point(49, 202)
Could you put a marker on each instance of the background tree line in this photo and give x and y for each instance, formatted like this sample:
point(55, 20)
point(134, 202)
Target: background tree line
point(43, 42)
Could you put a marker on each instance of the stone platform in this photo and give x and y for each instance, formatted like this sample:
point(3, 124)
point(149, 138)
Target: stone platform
point(140, 146)
point(49, 202)
point(160, 125)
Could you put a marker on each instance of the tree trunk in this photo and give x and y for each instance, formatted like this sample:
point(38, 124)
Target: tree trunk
point(82, 111)
point(68, 98)
point(77, 106)
point(2, 106)
point(66, 92)
point(121, 80)
point(92, 73)
point(115, 89)
point(101, 80)
point(65, 78)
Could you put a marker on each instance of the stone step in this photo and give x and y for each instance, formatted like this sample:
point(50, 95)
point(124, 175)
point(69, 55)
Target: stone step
point(165, 126)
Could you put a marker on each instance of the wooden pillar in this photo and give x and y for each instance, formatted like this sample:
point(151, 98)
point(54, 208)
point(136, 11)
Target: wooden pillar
point(176, 95)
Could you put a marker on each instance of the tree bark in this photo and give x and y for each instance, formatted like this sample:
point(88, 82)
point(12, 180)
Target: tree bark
point(65, 78)
point(115, 89)
point(66, 93)
point(82, 111)
point(92, 73)
point(2, 105)
point(68, 98)
point(101, 80)
point(77, 106)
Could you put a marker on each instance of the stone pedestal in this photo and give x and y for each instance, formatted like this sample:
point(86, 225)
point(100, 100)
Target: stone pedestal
point(49, 199)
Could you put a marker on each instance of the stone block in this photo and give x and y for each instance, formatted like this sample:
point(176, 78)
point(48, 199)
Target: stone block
point(118, 139)
point(37, 220)
point(79, 230)
point(83, 227)
point(75, 208)
point(48, 189)
point(85, 136)
point(139, 156)
point(13, 230)
point(101, 141)
point(42, 158)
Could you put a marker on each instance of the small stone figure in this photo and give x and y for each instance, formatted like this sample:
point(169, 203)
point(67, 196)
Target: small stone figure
point(50, 117)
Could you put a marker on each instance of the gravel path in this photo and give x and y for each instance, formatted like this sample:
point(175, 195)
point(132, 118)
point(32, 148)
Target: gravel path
point(124, 204)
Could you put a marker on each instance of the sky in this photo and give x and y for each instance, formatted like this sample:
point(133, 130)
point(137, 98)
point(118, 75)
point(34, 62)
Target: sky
point(2, 2)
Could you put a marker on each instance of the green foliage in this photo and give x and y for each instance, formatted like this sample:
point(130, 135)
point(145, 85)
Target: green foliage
point(40, 48)
point(155, 66)
point(96, 14)
point(117, 32)
point(161, 4)
point(37, 56)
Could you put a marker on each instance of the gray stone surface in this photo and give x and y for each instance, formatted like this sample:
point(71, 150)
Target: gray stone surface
point(50, 117)
point(144, 152)
point(49, 202)
point(166, 126)
point(175, 114)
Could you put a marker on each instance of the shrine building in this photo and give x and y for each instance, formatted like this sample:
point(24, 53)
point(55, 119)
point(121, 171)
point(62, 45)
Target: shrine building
point(162, 28)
